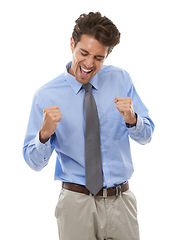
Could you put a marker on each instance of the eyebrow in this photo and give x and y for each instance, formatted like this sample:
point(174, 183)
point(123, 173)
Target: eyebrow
point(83, 50)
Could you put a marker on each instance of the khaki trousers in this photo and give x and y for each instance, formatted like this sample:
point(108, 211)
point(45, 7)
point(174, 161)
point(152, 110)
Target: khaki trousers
point(85, 217)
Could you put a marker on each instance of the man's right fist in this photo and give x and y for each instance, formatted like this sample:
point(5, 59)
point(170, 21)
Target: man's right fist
point(51, 116)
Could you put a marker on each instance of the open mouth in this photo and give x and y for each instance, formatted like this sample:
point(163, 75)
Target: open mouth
point(85, 72)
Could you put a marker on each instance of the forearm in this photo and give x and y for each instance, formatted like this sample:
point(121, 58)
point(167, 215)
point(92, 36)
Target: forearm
point(37, 154)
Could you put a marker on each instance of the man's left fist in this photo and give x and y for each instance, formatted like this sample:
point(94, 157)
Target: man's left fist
point(125, 106)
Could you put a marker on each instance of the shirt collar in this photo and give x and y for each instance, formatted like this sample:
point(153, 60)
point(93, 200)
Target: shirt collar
point(94, 82)
point(75, 85)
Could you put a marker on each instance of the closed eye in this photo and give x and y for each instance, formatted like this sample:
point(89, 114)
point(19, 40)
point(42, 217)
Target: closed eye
point(99, 58)
point(84, 54)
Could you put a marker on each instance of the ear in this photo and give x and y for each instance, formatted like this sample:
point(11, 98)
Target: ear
point(72, 44)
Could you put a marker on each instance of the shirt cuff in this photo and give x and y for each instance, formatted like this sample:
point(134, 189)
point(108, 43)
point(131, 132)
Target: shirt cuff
point(138, 128)
point(43, 149)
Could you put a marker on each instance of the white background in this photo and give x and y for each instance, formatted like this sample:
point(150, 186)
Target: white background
point(34, 49)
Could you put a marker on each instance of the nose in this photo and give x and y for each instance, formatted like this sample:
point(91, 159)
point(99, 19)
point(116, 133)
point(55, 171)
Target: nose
point(89, 62)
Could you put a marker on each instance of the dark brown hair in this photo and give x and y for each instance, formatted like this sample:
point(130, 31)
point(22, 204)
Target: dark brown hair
point(97, 26)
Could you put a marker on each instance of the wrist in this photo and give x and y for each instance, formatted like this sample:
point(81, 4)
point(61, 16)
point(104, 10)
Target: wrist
point(133, 122)
point(42, 137)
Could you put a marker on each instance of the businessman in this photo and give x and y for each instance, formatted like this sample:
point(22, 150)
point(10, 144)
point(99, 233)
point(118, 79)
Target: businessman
point(87, 115)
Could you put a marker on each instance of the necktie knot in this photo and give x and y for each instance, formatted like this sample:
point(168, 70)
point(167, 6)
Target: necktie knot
point(87, 87)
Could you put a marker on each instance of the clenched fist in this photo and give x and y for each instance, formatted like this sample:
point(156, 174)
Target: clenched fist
point(124, 105)
point(51, 116)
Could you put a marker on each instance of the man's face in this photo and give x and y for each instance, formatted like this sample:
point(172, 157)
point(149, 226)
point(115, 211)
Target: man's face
point(88, 58)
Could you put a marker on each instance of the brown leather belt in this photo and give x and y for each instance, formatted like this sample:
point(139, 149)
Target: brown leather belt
point(105, 192)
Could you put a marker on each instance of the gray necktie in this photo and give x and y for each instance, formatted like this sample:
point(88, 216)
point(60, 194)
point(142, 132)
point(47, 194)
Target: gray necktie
point(93, 165)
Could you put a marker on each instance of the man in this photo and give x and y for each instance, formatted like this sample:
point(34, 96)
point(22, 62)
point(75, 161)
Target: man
point(95, 201)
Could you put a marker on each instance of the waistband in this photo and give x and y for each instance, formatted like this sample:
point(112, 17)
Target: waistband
point(104, 192)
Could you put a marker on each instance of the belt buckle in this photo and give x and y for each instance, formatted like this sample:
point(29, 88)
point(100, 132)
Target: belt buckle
point(105, 192)
point(118, 190)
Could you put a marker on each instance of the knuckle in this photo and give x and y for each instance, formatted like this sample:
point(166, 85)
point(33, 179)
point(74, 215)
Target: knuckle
point(53, 107)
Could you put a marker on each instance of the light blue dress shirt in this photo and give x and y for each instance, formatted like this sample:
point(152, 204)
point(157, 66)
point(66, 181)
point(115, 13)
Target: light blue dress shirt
point(68, 140)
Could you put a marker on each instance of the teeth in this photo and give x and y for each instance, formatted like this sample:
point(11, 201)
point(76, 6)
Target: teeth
point(87, 71)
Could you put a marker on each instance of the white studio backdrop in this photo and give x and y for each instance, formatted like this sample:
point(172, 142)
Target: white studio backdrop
point(34, 49)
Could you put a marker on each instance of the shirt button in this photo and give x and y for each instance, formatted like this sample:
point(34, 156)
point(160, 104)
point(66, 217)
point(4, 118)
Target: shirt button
point(100, 146)
point(43, 148)
point(109, 181)
point(104, 164)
